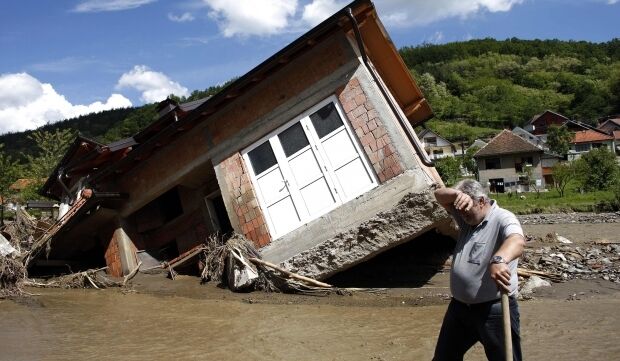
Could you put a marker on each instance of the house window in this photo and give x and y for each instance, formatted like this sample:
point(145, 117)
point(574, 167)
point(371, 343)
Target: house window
point(430, 140)
point(521, 163)
point(438, 152)
point(307, 168)
point(582, 147)
point(492, 163)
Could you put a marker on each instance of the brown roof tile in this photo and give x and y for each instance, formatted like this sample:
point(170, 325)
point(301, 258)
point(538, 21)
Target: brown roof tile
point(507, 142)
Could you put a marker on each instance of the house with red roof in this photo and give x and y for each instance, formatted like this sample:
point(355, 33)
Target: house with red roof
point(586, 140)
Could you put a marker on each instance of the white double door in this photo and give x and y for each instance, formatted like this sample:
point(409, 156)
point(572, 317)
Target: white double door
point(307, 168)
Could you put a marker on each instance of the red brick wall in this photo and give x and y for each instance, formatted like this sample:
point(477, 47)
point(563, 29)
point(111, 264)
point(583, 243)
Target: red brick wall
point(244, 202)
point(113, 259)
point(370, 131)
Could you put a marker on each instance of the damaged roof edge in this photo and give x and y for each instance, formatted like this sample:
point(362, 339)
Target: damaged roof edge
point(73, 148)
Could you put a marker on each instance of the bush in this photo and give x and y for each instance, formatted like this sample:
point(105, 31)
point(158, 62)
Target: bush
point(449, 168)
point(596, 170)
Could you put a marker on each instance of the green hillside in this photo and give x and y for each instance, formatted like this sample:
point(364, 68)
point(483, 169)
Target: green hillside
point(491, 83)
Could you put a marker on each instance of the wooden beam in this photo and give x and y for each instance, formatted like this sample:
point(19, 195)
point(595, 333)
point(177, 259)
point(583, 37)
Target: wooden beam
point(413, 107)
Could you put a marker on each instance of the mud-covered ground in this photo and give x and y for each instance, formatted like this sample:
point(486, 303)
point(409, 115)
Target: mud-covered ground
point(157, 318)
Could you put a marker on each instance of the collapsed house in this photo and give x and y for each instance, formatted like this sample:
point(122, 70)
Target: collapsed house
point(311, 155)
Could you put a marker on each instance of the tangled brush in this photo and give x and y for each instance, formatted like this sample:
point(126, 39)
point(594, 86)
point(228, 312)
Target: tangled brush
point(221, 259)
point(12, 276)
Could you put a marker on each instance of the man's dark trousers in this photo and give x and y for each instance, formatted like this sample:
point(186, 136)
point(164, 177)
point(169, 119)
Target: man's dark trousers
point(465, 324)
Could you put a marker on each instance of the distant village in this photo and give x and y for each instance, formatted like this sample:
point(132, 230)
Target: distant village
point(502, 160)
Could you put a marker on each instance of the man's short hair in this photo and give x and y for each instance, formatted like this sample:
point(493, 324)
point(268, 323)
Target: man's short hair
point(473, 189)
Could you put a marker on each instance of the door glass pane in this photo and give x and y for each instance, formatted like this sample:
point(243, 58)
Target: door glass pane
point(326, 120)
point(339, 149)
point(293, 139)
point(262, 158)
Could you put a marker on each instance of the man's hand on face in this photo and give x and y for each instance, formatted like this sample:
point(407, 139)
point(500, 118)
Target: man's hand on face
point(500, 273)
point(463, 202)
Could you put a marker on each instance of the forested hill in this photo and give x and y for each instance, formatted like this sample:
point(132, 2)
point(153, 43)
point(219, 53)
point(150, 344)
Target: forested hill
point(93, 125)
point(486, 83)
point(105, 127)
point(498, 84)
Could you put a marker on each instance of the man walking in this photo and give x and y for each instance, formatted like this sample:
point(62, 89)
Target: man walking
point(484, 263)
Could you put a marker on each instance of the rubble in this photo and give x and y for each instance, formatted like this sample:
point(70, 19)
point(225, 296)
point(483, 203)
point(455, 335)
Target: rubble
point(569, 261)
point(555, 218)
point(532, 284)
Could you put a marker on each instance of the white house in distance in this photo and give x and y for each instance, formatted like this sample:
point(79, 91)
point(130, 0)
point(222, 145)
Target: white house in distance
point(437, 146)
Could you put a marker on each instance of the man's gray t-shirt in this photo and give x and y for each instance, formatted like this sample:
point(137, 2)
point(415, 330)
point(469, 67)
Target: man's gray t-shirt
point(470, 280)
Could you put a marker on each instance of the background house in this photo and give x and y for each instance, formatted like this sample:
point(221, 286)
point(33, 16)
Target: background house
point(586, 140)
point(437, 146)
point(503, 163)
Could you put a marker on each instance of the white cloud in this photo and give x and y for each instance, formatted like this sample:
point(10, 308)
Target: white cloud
point(185, 17)
point(406, 13)
point(154, 86)
point(93, 6)
point(251, 17)
point(26, 103)
point(270, 17)
point(319, 10)
point(436, 38)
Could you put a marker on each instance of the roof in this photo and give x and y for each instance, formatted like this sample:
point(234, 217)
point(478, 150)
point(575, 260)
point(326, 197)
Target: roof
point(535, 117)
point(21, 184)
point(426, 132)
point(507, 142)
point(614, 121)
point(81, 158)
point(587, 136)
point(616, 134)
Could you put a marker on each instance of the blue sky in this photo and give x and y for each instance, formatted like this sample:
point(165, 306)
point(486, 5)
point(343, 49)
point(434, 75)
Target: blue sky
point(63, 58)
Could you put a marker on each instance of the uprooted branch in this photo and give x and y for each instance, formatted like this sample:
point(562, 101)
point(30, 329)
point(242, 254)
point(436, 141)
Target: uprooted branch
point(238, 264)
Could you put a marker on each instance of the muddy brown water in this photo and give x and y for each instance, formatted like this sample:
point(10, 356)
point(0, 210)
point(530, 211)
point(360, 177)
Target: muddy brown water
point(183, 320)
point(111, 325)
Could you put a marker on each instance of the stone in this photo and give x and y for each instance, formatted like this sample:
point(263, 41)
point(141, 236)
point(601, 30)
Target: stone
point(533, 283)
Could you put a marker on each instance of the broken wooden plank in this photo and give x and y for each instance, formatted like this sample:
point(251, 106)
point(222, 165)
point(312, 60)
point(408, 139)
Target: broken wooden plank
point(290, 274)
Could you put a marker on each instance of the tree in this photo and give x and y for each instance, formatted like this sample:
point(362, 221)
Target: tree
point(597, 169)
point(469, 162)
point(530, 180)
point(558, 139)
point(562, 175)
point(51, 148)
point(9, 170)
point(449, 168)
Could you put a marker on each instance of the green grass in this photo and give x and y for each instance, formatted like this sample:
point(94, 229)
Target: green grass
point(551, 202)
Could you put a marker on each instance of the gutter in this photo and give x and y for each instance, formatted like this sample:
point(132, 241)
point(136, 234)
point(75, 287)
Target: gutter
point(424, 158)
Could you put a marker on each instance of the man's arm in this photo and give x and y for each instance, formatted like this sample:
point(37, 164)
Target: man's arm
point(451, 198)
point(511, 249)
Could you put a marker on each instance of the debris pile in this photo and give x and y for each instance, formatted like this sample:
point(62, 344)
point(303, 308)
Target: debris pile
point(237, 264)
point(557, 218)
point(566, 261)
point(12, 275)
point(87, 279)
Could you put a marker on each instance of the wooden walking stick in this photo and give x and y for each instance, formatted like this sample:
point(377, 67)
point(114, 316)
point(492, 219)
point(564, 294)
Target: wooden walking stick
point(507, 329)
